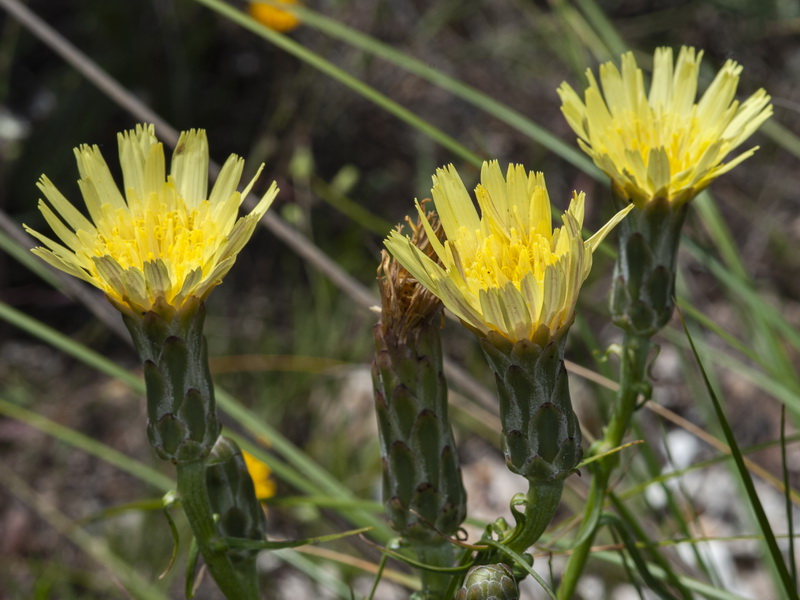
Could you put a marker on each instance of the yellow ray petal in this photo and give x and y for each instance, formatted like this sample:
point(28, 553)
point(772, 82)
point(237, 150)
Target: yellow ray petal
point(506, 271)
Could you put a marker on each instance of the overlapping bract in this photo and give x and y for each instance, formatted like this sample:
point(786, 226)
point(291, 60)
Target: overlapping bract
point(663, 144)
point(166, 239)
point(506, 271)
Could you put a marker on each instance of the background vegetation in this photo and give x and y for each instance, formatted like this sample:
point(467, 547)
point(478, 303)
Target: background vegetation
point(293, 345)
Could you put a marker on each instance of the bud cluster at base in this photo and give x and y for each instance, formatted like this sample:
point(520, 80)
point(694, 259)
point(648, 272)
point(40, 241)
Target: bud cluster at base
point(489, 582)
point(232, 496)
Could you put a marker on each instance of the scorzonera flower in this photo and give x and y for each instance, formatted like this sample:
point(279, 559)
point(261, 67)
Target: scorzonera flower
point(514, 280)
point(165, 240)
point(271, 15)
point(157, 250)
point(423, 493)
point(663, 144)
point(506, 271)
point(262, 476)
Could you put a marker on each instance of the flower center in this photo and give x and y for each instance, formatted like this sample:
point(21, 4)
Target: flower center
point(159, 227)
point(684, 139)
point(502, 259)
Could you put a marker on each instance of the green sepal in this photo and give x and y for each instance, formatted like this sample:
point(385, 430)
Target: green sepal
point(643, 287)
point(423, 492)
point(541, 433)
point(181, 410)
point(451, 511)
point(232, 496)
point(427, 428)
point(402, 483)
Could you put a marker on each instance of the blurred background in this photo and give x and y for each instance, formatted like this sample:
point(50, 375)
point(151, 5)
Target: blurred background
point(293, 346)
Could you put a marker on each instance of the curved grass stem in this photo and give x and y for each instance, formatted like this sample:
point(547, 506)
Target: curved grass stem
point(633, 379)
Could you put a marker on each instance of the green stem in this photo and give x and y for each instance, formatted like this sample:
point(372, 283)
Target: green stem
point(236, 583)
point(580, 553)
point(633, 377)
point(439, 553)
point(543, 500)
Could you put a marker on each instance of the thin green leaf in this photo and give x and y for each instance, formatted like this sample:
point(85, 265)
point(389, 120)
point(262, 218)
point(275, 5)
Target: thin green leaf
point(324, 481)
point(192, 577)
point(500, 111)
point(248, 544)
point(627, 520)
point(639, 488)
point(787, 489)
point(741, 288)
point(169, 500)
point(94, 547)
point(378, 576)
point(700, 587)
point(767, 382)
point(766, 338)
point(87, 444)
point(603, 26)
point(596, 457)
point(316, 572)
point(348, 207)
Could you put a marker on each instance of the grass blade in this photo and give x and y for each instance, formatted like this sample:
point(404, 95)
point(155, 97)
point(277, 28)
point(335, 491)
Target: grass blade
point(500, 111)
point(121, 572)
point(699, 587)
point(788, 497)
point(774, 551)
point(331, 70)
point(87, 444)
point(604, 27)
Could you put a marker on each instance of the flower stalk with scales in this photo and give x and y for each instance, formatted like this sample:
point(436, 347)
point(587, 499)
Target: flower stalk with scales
point(157, 250)
point(660, 149)
point(514, 281)
point(423, 492)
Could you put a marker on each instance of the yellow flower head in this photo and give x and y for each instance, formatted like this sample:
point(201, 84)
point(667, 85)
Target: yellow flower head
point(267, 13)
point(261, 475)
point(665, 144)
point(166, 240)
point(506, 271)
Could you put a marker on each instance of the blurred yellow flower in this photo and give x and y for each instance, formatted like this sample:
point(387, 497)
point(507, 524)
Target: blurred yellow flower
point(261, 475)
point(166, 240)
point(665, 144)
point(267, 13)
point(506, 271)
